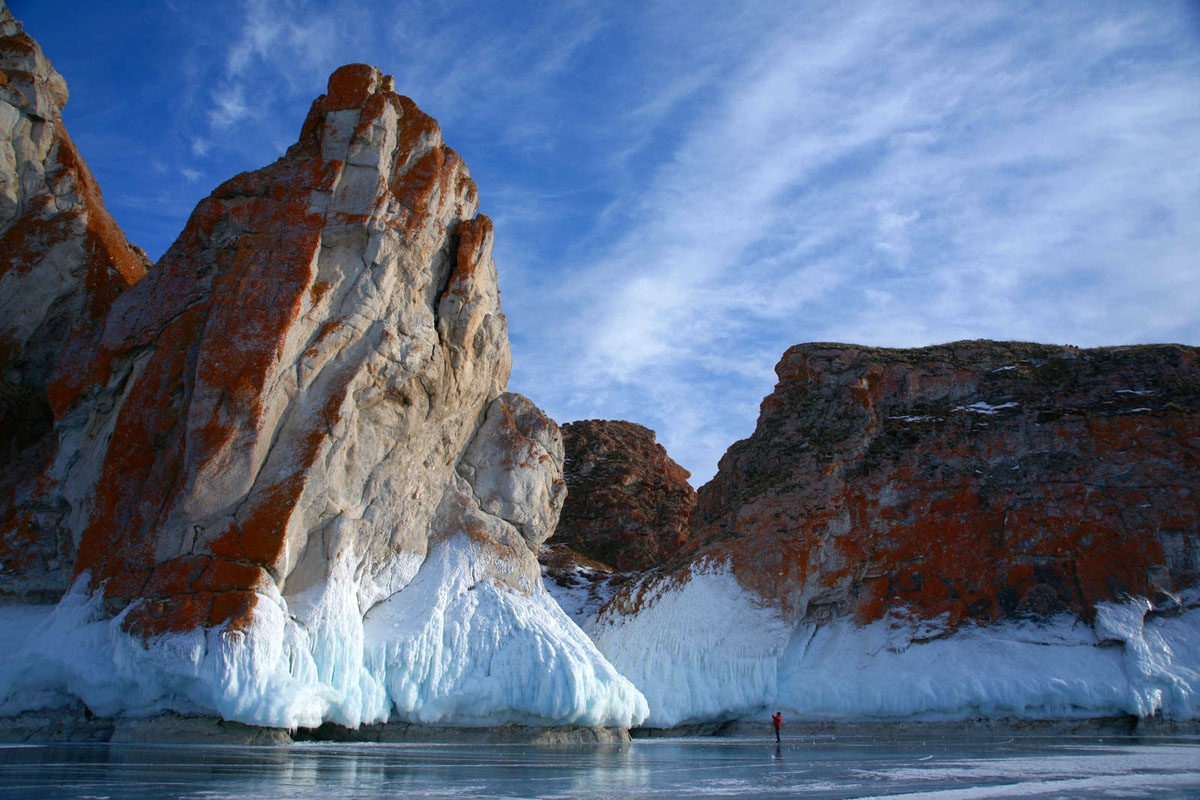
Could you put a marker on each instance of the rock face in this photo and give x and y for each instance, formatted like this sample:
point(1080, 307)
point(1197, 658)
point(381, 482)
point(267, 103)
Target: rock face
point(976, 480)
point(903, 496)
point(628, 504)
point(63, 262)
point(297, 488)
point(292, 386)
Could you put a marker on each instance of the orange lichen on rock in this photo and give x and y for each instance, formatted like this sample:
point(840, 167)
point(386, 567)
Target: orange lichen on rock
point(350, 87)
point(194, 591)
point(204, 343)
point(209, 463)
point(474, 245)
point(971, 482)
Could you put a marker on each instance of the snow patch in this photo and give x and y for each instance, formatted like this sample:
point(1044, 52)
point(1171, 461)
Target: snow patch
point(584, 592)
point(1161, 656)
point(18, 622)
point(985, 408)
point(701, 651)
point(453, 646)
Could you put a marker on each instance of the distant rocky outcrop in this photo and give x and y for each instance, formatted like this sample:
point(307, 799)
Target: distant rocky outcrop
point(889, 498)
point(628, 510)
point(628, 504)
point(297, 489)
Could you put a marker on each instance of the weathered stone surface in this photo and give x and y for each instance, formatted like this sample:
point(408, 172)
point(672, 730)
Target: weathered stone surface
point(294, 383)
point(975, 480)
point(515, 466)
point(399, 732)
point(628, 504)
point(63, 262)
point(74, 725)
point(71, 724)
point(176, 729)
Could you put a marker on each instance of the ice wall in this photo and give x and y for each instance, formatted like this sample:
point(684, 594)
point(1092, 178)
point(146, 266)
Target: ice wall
point(706, 649)
point(454, 645)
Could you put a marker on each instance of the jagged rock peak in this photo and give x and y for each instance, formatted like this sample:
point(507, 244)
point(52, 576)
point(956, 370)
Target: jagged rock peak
point(63, 259)
point(31, 79)
point(311, 317)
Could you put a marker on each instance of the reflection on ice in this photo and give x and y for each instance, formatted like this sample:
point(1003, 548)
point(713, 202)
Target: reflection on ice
point(810, 767)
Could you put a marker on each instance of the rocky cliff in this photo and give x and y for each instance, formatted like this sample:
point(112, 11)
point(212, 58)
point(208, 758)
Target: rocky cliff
point(976, 481)
point(628, 504)
point(893, 497)
point(63, 262)
point(296, 487)
point(628, 509)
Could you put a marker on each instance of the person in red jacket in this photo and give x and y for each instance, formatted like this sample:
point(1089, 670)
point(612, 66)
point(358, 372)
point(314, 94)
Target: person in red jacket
point(777, 721)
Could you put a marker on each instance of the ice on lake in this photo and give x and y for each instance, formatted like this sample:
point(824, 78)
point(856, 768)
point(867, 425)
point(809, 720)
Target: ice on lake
point(810, 767)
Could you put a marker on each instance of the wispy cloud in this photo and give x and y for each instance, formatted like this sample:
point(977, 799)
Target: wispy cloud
point(229, 106)
point(879, 176)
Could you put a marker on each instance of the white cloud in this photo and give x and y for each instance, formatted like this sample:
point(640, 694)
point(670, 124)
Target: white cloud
point(894, 178)
point(229, 107)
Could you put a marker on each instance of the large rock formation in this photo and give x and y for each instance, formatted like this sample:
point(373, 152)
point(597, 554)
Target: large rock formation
point(63, 262)
point(297, 487)
point(892, 497)
point(279, 479)
point(628, 510)
point(294, 383)
point(975, 481)
point(628, 504)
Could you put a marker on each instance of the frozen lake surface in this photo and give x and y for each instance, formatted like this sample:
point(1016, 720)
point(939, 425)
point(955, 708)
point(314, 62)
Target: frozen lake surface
point(810, 767)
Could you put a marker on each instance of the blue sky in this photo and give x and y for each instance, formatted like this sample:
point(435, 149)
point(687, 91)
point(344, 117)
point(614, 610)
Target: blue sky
point(682, 190)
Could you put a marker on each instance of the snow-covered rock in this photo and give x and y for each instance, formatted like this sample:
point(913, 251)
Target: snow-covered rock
point(707, 649)
point(973, 529)
point(298, 490)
